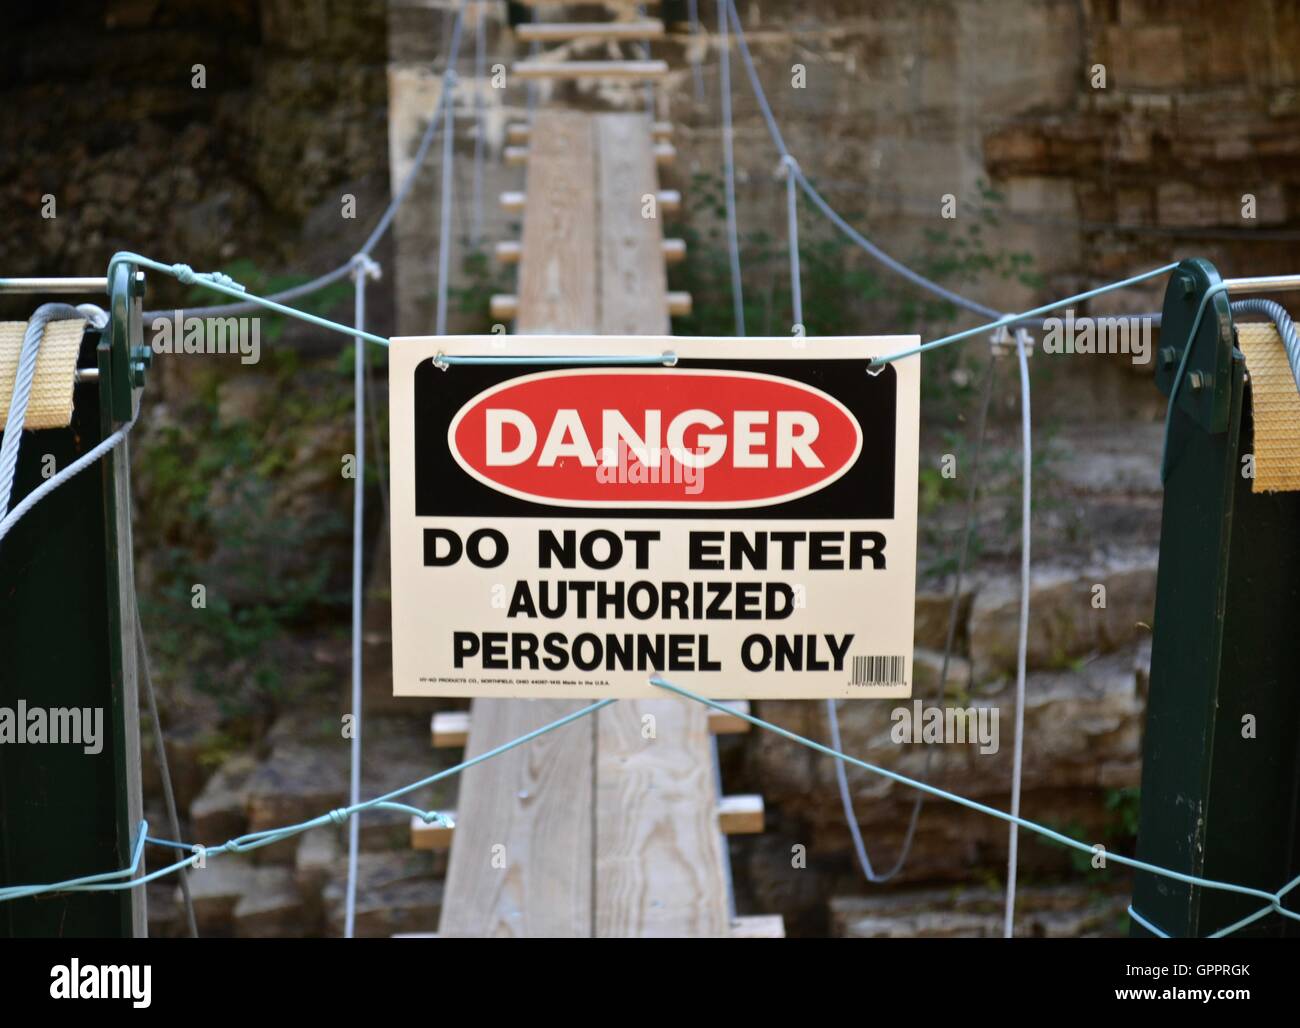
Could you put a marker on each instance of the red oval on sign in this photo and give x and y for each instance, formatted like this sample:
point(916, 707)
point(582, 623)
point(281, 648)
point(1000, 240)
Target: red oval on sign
point(654, 438)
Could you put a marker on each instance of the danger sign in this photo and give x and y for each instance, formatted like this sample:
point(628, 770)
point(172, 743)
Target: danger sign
point(744, 520)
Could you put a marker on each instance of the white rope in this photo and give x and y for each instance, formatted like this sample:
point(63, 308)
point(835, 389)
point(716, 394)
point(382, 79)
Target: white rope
point(24, 376)
point(791, 167)
point(365, 268)
point(1022, 643)
point(697, 72)
point(76, 467)
point(729, 169)
point(444, 216)
point(480, 128)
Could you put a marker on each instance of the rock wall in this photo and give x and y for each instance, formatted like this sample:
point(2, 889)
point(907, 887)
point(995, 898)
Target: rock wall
point(291, 115)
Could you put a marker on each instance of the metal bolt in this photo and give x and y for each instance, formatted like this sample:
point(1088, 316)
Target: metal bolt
point(1168, 356)
point(1196, 380)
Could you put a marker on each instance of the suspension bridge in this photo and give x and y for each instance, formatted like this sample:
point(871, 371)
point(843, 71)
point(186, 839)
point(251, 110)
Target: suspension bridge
point(608, 836)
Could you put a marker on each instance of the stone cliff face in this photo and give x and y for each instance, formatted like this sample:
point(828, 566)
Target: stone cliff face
point(1060, 183)
point(109, 120)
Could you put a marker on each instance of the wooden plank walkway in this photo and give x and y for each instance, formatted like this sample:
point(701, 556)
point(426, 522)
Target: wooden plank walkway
point(601, 830)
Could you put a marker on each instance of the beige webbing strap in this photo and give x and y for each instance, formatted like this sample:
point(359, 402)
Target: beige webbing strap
point(1275, 402)
point(50, 405)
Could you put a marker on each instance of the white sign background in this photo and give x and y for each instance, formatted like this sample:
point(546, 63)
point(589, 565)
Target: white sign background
point(873, 606)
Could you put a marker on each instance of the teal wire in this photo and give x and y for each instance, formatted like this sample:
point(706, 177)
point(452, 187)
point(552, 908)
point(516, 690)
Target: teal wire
point(85, 882)
point(1159, 933)
point(109, 880)
point(1012, 319)
point(256, 840)
point(227, 286)
point(1274, 898)
point(667, 359)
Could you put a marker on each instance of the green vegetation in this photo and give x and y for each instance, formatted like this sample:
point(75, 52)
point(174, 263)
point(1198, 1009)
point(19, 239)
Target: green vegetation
point(239, 490)
point(844, 292)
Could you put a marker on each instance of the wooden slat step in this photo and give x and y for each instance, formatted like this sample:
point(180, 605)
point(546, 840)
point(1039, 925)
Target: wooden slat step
point(639, 70)
point(608, 3)
point(515, 155)
point(435, 837)
point(758, 926)
point(518, 132)
point(449, 728)
point(741, 815)
point(509, 251)
point(670, 201)
point(561, 32)
point(665, 153)
point(728, 724)
point(504, 306)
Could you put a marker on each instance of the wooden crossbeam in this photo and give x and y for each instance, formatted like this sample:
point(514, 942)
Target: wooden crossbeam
point(518, 132)
point(758, 926)
point(741, 815)
point(449, 728)
point(508, 251)
point(506, 307)
point(569, 3)
point(729, 724)
point(737, 815)
point(562, 32)
point(664, 154)
point(753, 926)
point(627, 70)
point(503, 306)
point(436, 837)
point(669, 200)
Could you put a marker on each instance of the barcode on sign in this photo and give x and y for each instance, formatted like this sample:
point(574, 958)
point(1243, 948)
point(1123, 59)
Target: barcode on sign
point(878, 671)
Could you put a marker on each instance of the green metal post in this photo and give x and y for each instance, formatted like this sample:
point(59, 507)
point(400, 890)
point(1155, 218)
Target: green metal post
point(1221, 753)
point(67, 641)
